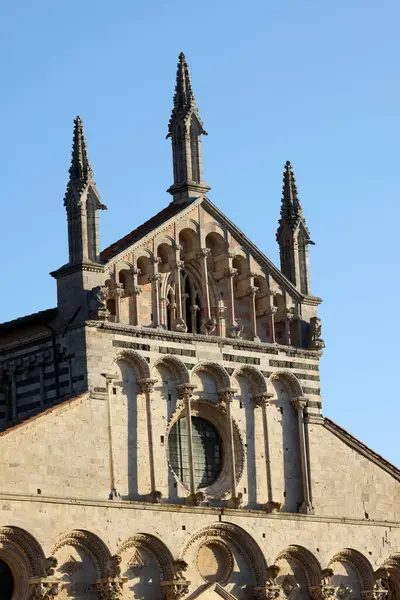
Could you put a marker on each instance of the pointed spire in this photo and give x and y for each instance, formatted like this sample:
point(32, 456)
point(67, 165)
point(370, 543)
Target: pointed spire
point(80, 169)
point(185, 129)
point(291, 210)
point(293, 236)
point(184, 99)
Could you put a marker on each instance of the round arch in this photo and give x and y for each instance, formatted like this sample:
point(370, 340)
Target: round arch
point(136, 361)
point(157, 548)
point(289, 379)
point(176, 366)
point(218, 371)
point(360, 564)
point(257, 380)
point(306, 559)
point(239, 538)
point(91, 544)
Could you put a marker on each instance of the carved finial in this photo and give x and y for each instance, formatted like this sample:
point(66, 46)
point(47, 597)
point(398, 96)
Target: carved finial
point(291, 209)
point(80, 169)
point(184, 99)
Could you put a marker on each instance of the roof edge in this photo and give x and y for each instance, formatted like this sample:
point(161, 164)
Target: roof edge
point(356, 444)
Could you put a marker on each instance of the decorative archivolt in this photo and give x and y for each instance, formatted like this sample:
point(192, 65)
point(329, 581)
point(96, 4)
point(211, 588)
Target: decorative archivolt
point(176, 366)
point(136, 361)
point(240, 539)
point(306, 559)
point(157, 548)
point(359, 563)
point(16, 542)
point(289, 380)
point(91, 544)
point(258, 383)
point(217, 371)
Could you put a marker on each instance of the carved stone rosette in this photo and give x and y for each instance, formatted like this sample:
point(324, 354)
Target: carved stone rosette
point(375, 594)
point(175, 589)
point(111, 588)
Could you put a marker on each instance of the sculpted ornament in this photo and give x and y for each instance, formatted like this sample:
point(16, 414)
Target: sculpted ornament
point(272, 589)
point(208, 326)
point(44, 590)
point(180, 326)
point(97, 303)
point(234, 331)
point(111, 587)
point(178, 587)
point(315, 340)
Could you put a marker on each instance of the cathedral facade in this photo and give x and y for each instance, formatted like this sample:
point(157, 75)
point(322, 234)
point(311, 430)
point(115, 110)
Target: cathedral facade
point(162, 432)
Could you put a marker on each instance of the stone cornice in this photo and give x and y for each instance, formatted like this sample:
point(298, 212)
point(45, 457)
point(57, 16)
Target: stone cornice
point(174, 336)
point(208, 510)
point(361, 448)
point(69, 269)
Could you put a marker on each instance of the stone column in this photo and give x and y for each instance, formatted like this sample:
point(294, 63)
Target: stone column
point(227, 396)
point(186, 393)
point(117, 294)
point(203, 255)
point(290, 316)
point(251, 292)
point(156, 278)
point(299, 405)
point(193, 311)
point(230, 274)
point(163, 312)
point(179, 324)
point(136, 290)
point(146, 387)
point(110, 377)
point(262, 400)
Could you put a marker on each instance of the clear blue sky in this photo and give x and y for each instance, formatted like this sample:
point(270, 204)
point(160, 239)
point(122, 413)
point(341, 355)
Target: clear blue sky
point(315, 82)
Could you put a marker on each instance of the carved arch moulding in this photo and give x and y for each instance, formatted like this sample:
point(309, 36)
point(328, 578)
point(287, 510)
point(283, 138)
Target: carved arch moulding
point(217, 371)
point(136, 361)
point(157, 548)
point(176, 366)
point(307, 561)
point(359, 563)
point(289, 379)
point(240, 539)
point(89, 543)
point(257, 380)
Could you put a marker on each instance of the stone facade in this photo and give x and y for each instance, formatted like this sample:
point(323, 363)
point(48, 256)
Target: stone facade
point(162, 428)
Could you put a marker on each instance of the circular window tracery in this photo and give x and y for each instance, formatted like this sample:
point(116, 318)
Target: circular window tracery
point(207, 452)
point(6, 581)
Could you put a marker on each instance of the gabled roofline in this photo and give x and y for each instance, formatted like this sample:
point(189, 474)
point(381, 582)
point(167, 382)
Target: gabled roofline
point(33, 319)
point(256, 253)
point(60, 407)
point(361, 448)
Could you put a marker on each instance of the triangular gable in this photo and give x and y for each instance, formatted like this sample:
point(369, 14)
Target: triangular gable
point(164, 218)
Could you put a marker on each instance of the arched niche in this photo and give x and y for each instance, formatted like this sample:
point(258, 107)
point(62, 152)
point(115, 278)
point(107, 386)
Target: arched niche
point(353, 570)
point(128, 416)
point(169, 373)
point(284, 440)
point(210, 379)
point(189, 242)
point(82, 559)
point(146, 562)
point(165, 253)
point(299, 569)
point(23, 558)
point(227, 554)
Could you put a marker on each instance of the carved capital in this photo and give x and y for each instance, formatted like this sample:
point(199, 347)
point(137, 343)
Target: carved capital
point(307, 509)
point(146, 385)
point(204, 252)
point(322, 592)
point(299, 403)
point(155, 277)
point(111, 588)
point(179, 264)
point(231, 272)
point(185, 390)
point(156, 260)
point(272, 292)
point(175, 589)
point(262, 399)
point(252, 291)
point(43, 588)
point(231, 254)
point(227, 395)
